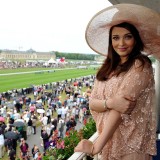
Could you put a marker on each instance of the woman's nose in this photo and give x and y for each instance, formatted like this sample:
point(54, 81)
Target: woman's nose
point(121, 41)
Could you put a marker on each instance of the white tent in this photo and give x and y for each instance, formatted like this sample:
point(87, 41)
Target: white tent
point(51, 61)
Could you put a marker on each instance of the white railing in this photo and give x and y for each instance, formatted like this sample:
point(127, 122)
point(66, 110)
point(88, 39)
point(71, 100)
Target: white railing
point(81, 155)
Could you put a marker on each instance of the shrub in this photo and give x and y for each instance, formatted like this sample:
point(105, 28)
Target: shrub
point(70, 142)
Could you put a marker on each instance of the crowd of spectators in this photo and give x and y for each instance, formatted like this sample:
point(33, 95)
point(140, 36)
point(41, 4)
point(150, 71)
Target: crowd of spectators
point(22, 113)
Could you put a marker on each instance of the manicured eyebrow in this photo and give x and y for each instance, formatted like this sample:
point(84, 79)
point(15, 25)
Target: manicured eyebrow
point(125, 34)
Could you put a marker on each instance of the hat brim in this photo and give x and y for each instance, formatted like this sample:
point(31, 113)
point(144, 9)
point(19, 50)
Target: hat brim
point(146, 21)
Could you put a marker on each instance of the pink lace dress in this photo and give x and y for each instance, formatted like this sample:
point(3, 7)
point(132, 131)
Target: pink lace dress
point(135, 138)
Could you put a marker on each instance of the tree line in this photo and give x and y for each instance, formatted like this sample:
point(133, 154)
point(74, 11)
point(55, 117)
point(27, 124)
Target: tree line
point(76, 56)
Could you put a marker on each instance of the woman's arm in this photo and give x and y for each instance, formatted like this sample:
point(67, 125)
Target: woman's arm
point(111, 124)
point(122, 104)
point(97, 105)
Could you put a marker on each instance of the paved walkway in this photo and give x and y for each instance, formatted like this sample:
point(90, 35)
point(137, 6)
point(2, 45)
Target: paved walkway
point(35, 138)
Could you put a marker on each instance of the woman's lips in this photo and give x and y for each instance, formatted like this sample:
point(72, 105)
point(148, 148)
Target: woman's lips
point(122, 49)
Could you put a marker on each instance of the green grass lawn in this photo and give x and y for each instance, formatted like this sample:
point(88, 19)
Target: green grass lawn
point(23, 70)
point(9, 82)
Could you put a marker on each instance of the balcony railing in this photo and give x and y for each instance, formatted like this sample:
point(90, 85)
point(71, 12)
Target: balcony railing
point(81, 155)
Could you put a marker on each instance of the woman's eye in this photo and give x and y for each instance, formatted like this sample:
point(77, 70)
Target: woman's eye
point(115, 38)
point(128, 37)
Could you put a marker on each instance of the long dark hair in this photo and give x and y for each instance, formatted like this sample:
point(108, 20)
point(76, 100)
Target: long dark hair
point(112, 61)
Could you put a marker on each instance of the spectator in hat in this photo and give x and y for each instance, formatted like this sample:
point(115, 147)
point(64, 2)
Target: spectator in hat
point(122, 100)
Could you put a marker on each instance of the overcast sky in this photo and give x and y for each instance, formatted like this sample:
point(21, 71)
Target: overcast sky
point(47, 25)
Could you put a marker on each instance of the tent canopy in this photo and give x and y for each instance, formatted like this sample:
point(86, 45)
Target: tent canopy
point(52, 61)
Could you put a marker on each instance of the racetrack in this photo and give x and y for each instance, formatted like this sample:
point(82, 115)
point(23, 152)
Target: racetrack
point(39, 71)
point(19, 80)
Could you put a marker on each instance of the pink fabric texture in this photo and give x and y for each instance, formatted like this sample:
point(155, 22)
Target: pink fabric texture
point(137, 132)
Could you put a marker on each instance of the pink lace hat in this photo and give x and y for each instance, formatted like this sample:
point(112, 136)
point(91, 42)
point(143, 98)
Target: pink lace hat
point(146, 21)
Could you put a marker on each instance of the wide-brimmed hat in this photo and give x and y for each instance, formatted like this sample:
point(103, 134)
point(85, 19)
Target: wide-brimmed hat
point(147, 22)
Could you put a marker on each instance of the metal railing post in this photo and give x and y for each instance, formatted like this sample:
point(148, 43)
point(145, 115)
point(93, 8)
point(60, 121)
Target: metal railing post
point(157, 88)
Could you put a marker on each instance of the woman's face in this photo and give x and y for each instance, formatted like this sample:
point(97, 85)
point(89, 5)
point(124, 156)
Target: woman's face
point(123, 42)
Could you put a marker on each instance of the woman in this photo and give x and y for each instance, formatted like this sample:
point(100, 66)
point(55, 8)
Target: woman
point(36, 152)
point(122, 100)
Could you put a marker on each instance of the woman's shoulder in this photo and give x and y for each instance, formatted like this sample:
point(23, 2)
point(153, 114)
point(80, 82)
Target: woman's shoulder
point(142, 63)
point(96, 82)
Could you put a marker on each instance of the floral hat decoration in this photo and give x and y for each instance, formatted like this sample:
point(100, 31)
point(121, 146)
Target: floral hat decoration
point(147, 22)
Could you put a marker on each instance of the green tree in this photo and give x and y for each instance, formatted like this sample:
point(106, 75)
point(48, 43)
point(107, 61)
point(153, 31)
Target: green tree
point(76, 56)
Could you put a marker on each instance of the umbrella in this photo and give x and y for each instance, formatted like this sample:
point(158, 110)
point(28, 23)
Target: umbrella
point(33, 102)
point(18, 123)
point(39, 101)
point(19, 120)
point(38, 104)
point(40, 111)
point(11, 135)
point(2, 119)
point(10, 105)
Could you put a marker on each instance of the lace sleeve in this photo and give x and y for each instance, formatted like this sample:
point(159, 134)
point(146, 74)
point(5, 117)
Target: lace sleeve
point(139, 127)
point(97, 93)
point(136, 80)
